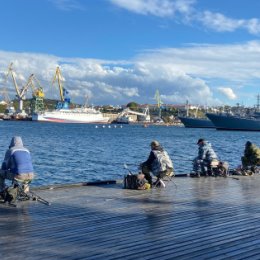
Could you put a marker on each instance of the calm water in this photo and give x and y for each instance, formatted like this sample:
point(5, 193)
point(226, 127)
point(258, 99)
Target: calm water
point(67, 153)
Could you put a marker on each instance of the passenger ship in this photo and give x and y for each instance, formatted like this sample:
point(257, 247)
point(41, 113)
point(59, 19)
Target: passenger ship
point(82, 115)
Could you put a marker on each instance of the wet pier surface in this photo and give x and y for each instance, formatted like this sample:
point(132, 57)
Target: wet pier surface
point(205, 218)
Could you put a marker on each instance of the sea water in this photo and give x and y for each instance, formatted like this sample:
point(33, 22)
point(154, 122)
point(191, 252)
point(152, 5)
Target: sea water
point(70, 153)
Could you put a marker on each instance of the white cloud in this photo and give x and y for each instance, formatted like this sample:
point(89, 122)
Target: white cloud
point(161, 8)
point(187, 11)
point(237, 62)
point(219, 22)
point(228, 92)
point(191, 73)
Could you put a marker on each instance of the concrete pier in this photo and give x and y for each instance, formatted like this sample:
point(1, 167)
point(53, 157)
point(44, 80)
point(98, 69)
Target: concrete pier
point(192, 218)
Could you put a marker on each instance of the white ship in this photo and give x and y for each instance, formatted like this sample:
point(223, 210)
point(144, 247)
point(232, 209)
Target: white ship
point(77, 115)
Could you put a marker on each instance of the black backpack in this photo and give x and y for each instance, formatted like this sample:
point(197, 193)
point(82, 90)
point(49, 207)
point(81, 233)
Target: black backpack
point(134, 181)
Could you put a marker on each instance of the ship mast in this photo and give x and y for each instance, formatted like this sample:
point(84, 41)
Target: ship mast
point(258, 102)
point(159, 101)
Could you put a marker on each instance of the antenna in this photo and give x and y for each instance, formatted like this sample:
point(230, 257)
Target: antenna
point(159, 101)
point(258, 102)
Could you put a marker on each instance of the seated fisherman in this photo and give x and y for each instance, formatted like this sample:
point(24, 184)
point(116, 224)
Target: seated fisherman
point(205, 157)
point(158, 163)
point(251, 157)
point(17, 163)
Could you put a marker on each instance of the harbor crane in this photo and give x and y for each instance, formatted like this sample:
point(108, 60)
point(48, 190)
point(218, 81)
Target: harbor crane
point(58, 77)
point(20, 93)
point(37, 104)
point(64, 98)
point(37, 92)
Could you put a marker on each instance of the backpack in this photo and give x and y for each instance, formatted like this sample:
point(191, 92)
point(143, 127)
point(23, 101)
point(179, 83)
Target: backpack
point(134, 182)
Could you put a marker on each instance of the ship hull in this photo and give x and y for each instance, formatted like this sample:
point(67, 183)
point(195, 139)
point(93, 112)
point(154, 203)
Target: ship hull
point(228, 122)
point(70, 116)
point(190, 122)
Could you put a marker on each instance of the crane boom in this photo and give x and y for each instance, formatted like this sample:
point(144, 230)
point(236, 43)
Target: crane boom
point(11, 72)
point(36, 92)
point(127, 111)
point(58, 77)
point(26, 87)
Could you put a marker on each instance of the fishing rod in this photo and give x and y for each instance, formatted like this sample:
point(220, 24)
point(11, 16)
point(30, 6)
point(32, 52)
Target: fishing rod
point(126, 167)
point(234, 178)
point(170, 178)
point(39, 199)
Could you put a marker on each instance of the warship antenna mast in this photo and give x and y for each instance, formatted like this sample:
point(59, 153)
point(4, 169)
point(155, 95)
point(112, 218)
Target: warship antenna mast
point(258, 102)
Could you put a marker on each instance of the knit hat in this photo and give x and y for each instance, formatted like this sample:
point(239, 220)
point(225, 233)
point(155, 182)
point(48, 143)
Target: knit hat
point(155, 143)
point(200, 140)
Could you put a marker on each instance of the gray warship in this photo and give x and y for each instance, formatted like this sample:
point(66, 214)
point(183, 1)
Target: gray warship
point(192, 122)
point(249, 121)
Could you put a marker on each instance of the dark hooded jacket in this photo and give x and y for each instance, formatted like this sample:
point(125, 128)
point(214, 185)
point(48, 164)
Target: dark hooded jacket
point(17, 158)
point(158, 160)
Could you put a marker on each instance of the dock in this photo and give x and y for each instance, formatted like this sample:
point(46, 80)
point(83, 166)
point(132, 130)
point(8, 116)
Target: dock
point(192, 218)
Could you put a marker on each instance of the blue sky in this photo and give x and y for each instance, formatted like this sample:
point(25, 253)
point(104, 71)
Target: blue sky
point(117, 51)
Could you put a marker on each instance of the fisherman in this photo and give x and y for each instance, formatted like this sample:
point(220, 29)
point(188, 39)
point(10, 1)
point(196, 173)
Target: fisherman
point(251, 157)
point(202, 162)
point(158, 163)
point(17, 164)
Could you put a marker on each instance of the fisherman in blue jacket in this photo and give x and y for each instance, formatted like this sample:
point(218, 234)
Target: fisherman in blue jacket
point(17, 164)
point(205, 156)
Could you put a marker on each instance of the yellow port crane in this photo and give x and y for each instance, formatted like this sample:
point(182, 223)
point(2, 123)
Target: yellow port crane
point(37, 103)
point(58, 77)
point(36, 92)
point(64, 98)
point(20, 93)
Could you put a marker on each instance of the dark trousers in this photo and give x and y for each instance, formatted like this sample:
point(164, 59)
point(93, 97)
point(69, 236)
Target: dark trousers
point(146, 171)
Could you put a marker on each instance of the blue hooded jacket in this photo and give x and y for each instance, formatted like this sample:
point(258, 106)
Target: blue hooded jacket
point(17, 158)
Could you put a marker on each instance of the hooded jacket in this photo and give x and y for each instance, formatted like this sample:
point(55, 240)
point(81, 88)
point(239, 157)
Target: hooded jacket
point(17, 158)
point(206, 152)
point(158, 160)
